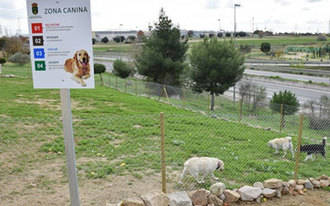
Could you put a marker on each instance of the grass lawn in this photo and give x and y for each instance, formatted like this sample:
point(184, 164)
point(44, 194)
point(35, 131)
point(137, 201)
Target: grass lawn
point(277, 41)
point(117, 134)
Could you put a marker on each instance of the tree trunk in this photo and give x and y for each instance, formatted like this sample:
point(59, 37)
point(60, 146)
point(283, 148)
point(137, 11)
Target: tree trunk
point(212, 101)
point(102, 83)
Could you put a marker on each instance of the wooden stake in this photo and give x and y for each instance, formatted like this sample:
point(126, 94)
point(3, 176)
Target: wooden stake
point(136, 87)
point(162, 145)
point(301, 123)
point(240, 109)
point(282, 118)
point(165, 92)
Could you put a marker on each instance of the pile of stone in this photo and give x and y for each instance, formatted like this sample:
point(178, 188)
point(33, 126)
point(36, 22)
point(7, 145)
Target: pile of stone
point(8, 76)
point(218, 195)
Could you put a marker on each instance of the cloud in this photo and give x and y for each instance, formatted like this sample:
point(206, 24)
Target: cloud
point(283, 2)
point(212, 4)
point(314, 1)
point(5, 4)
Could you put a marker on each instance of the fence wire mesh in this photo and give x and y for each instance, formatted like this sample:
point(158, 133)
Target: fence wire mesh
point(118, 153)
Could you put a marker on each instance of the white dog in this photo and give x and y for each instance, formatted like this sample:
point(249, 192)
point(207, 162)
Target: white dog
point(200, 167)
point(284, 143)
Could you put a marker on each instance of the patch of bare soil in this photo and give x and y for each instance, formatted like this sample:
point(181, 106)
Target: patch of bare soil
point(310, 198)
point(47, 185)
point(46, 103)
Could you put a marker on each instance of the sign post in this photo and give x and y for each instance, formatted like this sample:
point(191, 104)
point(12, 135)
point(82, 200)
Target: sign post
point(69, 146)
point(62, 58)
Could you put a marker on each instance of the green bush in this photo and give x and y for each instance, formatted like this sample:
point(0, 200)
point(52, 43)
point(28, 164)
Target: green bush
point(289, 101)
point(19, 58)
point(265, 47)
point(122, 69)
point(99, 68)
point(2, 61)
point(105, 40)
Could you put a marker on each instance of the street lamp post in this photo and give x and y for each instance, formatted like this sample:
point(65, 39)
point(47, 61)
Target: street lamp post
point(235, 26)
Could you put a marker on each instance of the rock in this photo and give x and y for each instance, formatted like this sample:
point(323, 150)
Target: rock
point(300, 192)
point(137, 126)
point(323, 177)
point(218, 188)
point(110, 204)
point(301, 182)
point(258, 184)
point(285, 184)
point(259, 199)
point(249, 193)
point(231, 196)
point(285, 190)
point(9, 76)
point(214, 200)
point(308, 185)
point(316, 183)
point(292, 183)
point(299, 187)
point(269, 193)
point(155, 199)
point(273, 183)
point(199, 197)
point(324, 183)
point(132, 202)
point(223, 197)
point(179, 199)
point(279, 193)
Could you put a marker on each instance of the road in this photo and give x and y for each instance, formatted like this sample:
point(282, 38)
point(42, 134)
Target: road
point(303, 93)
point(289, 76)
point(285, 64)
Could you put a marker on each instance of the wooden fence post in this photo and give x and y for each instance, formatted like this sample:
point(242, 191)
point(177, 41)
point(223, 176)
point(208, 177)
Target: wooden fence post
point(240, 109)
point(166, 94)
point(162, 131)
point(136, 87)
point(282, 118)
point(301, 124)
point(234, 95)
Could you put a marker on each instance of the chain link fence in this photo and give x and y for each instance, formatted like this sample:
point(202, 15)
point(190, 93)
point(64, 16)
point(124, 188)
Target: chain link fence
point(274, 120)
point(124, 150)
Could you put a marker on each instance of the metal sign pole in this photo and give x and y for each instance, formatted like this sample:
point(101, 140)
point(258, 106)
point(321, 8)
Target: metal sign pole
point(69, 146)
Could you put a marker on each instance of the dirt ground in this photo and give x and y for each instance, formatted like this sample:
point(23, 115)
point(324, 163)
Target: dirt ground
point(45, 184)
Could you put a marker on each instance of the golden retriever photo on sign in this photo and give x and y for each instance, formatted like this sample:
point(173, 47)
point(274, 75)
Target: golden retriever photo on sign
point(79, 67)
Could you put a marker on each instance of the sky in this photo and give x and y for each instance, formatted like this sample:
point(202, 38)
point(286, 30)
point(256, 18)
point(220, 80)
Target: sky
point(274, 15)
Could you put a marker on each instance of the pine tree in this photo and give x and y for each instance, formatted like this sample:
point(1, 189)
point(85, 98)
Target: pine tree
point(163, 54)
point(216, 66)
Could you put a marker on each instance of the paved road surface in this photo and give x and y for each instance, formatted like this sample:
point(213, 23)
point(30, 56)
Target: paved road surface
point(289, 76)
point(303, 93)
